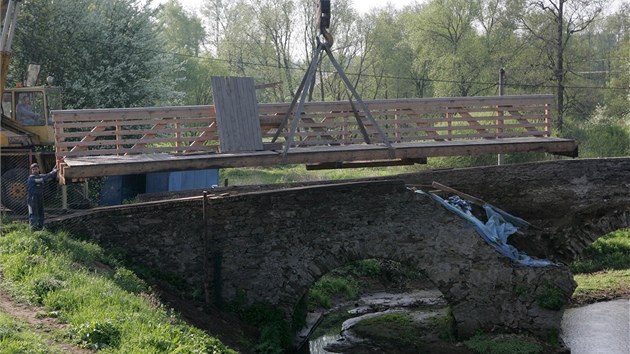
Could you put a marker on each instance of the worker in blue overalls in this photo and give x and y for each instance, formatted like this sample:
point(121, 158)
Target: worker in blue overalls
point(35, 198)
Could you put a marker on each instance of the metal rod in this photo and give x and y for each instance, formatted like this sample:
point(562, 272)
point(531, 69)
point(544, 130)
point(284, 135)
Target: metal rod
point(500, 160)
point(9, 39)
point(5, 28)
point(359, 122)
point(392, 152)
point(296, 118)
point(294, 101)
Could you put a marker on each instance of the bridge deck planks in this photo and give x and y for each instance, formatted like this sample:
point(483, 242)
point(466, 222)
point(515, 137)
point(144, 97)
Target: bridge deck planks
point(95, 166)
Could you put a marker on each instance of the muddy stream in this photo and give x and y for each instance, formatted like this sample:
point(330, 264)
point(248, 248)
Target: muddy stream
point(593, 329)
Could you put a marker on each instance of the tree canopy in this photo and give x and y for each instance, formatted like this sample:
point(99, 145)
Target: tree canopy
point(124, 53)
point(103, 53)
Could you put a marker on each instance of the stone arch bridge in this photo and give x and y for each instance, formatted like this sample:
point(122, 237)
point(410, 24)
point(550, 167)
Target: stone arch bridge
point(272, 245)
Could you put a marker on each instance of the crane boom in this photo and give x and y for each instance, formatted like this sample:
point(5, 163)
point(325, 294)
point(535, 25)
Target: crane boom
point(10, 9)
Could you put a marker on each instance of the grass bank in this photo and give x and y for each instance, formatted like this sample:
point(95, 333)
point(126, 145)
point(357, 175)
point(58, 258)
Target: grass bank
point(603, 270)
point(101, 304)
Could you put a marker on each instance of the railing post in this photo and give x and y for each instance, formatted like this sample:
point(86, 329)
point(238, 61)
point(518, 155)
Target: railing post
point(448, 124)
point(547, 121)
point(118, 137)
point(178, 135)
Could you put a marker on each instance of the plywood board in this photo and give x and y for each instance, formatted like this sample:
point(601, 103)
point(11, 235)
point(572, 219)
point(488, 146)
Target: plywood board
point(237, 114)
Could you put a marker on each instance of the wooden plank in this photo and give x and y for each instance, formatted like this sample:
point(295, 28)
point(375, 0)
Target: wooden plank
point(132, 123)
point(374, 105)
point(109, 133)
point(72, 115)
point(138, 144)
point(463, 195)
point(147, 151)
point(364, 164)
point(237, 114)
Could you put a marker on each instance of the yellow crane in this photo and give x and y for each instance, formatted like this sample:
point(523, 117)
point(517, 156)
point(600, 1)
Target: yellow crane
point(26, 130)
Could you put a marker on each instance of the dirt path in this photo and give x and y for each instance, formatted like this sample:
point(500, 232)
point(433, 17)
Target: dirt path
point(43, 325)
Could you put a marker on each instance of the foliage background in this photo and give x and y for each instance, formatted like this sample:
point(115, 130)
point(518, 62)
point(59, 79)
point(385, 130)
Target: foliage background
point(133, 53)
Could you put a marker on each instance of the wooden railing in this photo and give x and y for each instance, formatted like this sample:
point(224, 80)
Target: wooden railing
point(193, 129)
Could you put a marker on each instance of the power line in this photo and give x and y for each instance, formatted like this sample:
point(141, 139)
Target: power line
point(471, 82)
point(408, 78)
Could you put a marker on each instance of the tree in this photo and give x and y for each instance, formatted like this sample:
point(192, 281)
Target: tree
point(617, 96)
point(254, 38)
point(553, 23)
point(108, 54)
point(182, 31)
point(449, 43)
point(184, 36)
point(387, 61)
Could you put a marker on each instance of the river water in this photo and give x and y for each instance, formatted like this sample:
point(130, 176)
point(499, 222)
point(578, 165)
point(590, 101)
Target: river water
point(600, 328)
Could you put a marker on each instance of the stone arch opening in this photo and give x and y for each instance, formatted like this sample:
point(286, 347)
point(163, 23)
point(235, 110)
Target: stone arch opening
point(369, 288)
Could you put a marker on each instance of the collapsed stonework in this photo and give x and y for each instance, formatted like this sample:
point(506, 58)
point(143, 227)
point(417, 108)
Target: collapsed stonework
point(272, 246)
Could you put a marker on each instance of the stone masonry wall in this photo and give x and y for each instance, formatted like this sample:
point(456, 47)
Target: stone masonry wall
point(272, 246)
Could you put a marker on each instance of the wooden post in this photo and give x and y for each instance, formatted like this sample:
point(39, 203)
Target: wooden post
point(178, 135)
point(118, 137)
point(448, 124)
point(547, 123)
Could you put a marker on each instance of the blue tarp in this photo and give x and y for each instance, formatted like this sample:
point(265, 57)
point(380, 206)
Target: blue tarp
point(495, 231)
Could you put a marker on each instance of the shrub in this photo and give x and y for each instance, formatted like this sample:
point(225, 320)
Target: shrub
point(96, 335)
point(601, 139)
point(326, 287)
point(551, 297)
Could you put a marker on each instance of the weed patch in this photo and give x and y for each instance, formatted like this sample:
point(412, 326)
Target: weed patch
point(551, 297)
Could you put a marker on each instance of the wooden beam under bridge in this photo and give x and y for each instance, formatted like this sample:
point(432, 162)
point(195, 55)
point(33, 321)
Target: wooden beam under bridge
point(108, 165)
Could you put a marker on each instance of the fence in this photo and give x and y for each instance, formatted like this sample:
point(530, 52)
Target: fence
point(15, 171)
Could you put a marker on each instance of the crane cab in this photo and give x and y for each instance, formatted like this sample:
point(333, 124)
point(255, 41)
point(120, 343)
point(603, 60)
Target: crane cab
point(26, 112)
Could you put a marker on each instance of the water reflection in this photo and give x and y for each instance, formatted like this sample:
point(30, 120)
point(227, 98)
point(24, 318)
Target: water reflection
point(318, 345)
point(600, 328)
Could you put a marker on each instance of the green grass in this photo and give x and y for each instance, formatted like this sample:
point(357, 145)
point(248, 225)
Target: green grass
point(602, 282)
point(611, 252)
point(17, 338)
point(298, 173)
point(106, 307)
point(604, 267)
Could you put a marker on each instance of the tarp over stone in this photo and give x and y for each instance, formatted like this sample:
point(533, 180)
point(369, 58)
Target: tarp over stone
point(495, 231)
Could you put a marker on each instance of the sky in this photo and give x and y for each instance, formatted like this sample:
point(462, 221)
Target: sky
point(362, 6)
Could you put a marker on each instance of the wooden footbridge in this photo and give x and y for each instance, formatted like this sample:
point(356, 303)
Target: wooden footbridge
point(107, 142)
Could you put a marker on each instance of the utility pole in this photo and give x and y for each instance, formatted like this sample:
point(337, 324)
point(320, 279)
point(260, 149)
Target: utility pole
point(500, 113)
